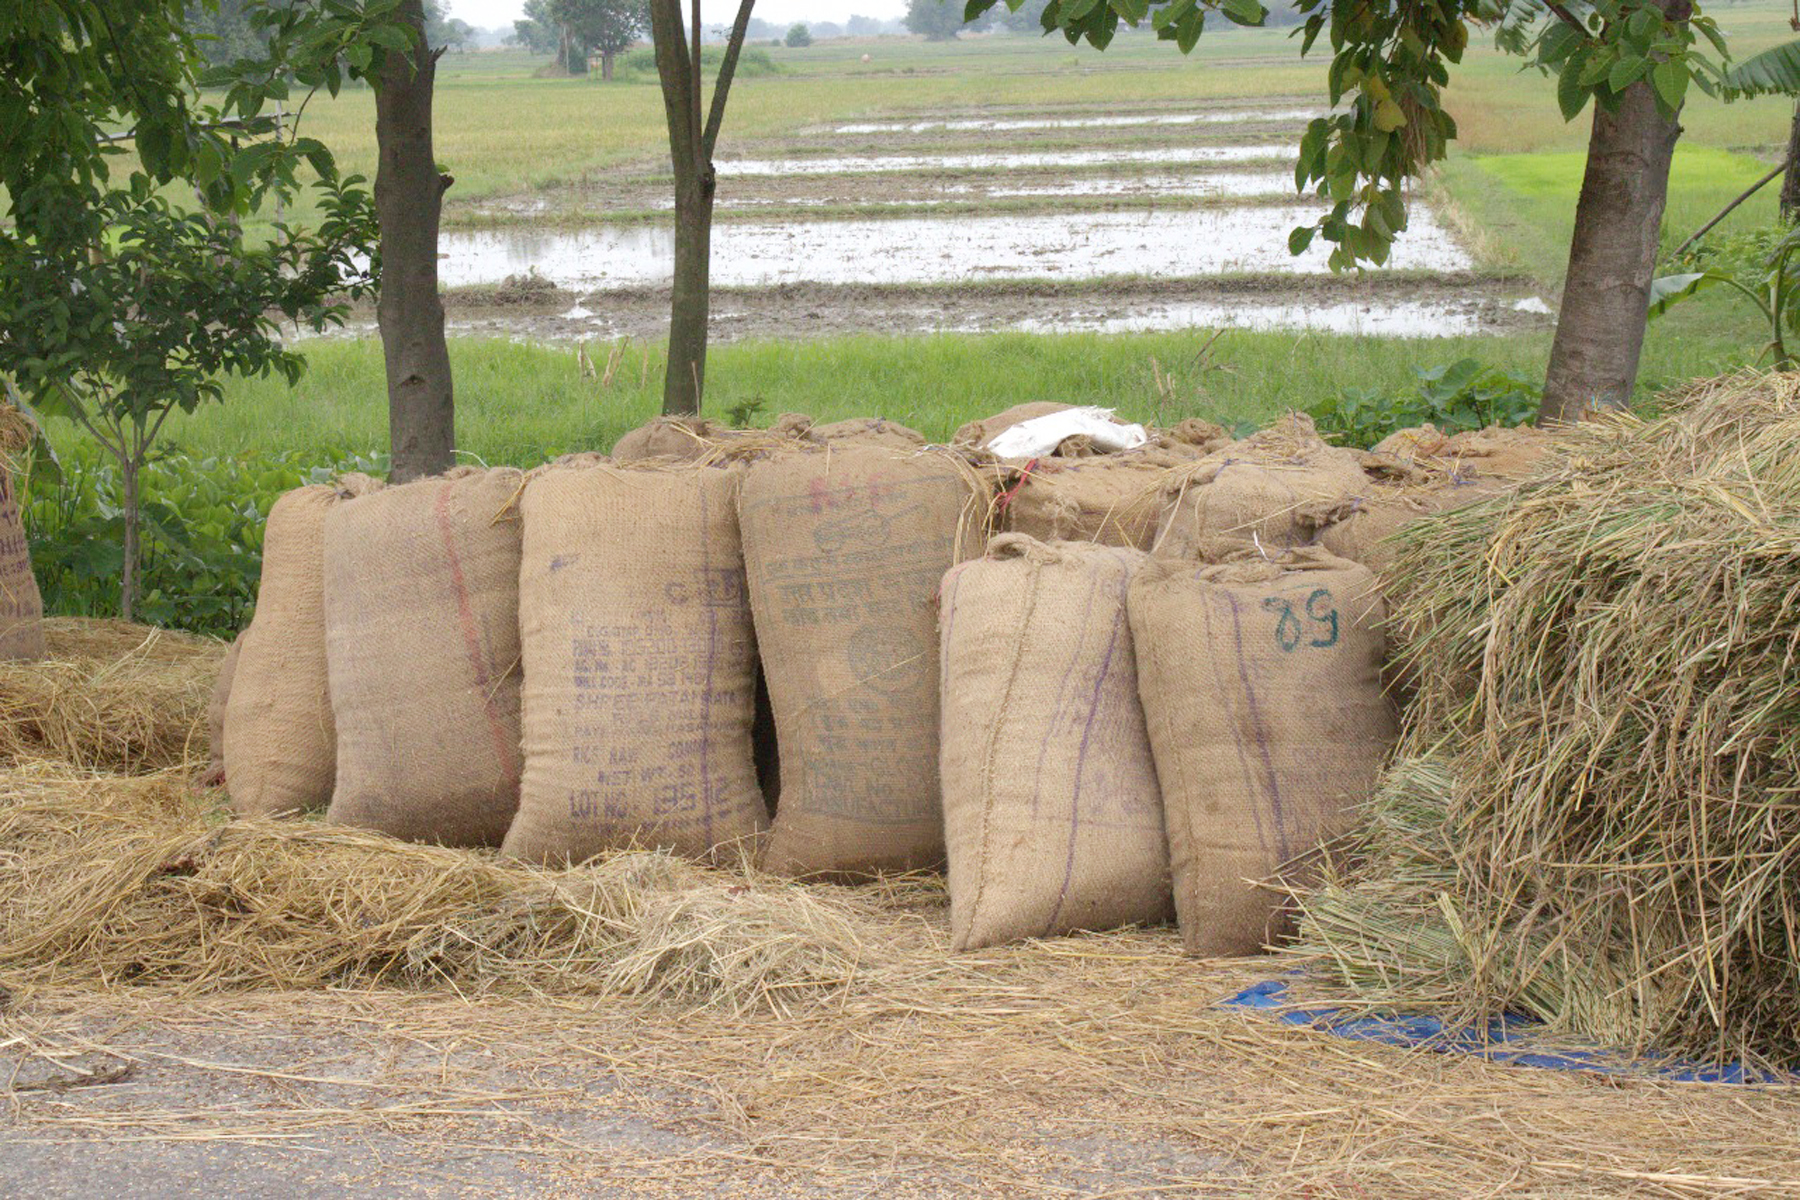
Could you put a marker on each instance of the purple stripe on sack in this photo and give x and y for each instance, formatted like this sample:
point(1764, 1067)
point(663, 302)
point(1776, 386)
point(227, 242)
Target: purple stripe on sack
point(1087, 733)
point(1271, 785)
point(712, 653)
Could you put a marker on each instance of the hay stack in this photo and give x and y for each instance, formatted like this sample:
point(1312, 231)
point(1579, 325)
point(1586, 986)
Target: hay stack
point(108, 881)
point(1608, 662)
point(110, 696)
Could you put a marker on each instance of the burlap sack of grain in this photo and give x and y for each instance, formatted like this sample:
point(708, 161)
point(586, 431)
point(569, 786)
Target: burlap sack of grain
point(640, 667)
point(1114, 499)
point(422, 646)
point(671, 439)
point(1192, 434)
point(1051, 810)
point(1497, 452)
point(1280, 487)
point(215, 715)
point(875, 431)
point(21, 604)
point(1261, 683)
point(1416, 473)
point(977, 434)
point(844, 548)
point(280, 744)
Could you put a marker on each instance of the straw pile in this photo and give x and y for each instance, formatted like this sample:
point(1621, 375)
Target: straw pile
point(110, 880)
point(1607, 657)
point(111, 696)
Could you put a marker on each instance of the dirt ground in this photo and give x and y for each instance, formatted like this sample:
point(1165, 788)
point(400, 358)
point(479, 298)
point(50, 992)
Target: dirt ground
point(1095, 1067)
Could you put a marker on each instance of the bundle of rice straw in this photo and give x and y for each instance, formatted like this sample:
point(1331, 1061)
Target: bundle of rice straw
point(113, 880)
point(1608, 836)
point(111, 696)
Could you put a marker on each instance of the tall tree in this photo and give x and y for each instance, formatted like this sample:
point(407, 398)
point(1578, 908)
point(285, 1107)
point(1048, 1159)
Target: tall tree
point(691, 142)
point(383, 42)
point(1618, 221)
point(1391, 60)
point(409, 199)
point(938, 20)
point(611, 27)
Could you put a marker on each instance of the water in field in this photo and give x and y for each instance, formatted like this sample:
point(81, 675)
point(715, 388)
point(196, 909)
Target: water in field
point(932, 250)
point(1149, 188)
point(1382, 318)
point(862, 165)
point(1120, 121)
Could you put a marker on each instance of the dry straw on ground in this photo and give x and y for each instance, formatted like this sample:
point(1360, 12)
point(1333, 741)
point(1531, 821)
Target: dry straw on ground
point(111, 696)
point(111, 881)
point(1607, 664)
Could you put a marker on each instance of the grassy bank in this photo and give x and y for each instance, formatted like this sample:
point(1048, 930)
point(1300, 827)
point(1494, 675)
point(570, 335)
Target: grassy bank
point(520, 403)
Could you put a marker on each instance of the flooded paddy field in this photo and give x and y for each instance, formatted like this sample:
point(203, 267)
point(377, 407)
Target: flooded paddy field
point(1096, 218)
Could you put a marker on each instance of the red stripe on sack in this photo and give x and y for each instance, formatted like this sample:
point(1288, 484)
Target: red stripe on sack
point(504, 750)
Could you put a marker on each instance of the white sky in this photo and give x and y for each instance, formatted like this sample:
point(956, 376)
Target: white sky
point(487, 14)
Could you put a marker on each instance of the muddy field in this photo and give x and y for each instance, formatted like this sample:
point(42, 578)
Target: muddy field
point(1039, 219)
point(1387, 305)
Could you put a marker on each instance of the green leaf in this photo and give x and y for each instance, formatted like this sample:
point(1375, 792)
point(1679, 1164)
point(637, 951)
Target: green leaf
point(1571, 96)
point(1300, 238)
point(1243, 12)
point(1775, 70)
point(1624, 73)
point(1670, 79)
point(1671, 290)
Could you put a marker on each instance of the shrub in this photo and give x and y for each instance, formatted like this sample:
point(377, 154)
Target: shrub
point(202, 530)
point(1466, 394)
point(799, 37)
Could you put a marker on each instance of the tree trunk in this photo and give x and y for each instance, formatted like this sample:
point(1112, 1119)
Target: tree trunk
point(691, 302)
point(1790, 181)
point(1612, 258)
point(409, 194)
point(692, 136)
point(128, 574)
point(606, 65)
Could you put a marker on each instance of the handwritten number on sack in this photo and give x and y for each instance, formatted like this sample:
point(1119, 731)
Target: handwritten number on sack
point(1324, 614)
point(1320, 611)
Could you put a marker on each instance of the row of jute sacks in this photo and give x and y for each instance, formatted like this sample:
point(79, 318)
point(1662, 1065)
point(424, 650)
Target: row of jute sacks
point(1092, 729)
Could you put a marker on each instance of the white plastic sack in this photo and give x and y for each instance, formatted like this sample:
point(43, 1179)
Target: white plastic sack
point(1042, 435)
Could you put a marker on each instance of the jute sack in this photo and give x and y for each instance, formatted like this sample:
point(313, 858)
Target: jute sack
point(640, 666)
point(1261, 683)
point(21, 604)
point(1051, 809)
point(871, 430)
point(1416, 473)
point(844, 548)
point(673, 439)
point(1114, 499)
point(280, 744)
point(215, 715)
point(422, 644)
point(1280, 487)
point(977, 434)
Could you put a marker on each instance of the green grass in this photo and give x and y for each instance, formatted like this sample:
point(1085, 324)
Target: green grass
point(522, 404)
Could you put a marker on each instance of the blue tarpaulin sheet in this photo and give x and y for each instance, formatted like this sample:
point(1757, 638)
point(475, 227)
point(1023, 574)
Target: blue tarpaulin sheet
point(1509, 1038)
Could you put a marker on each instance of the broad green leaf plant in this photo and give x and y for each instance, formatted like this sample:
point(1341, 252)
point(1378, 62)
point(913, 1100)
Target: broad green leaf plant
point(1391, 60)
